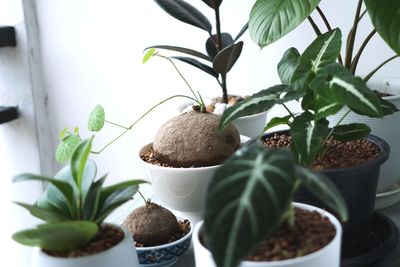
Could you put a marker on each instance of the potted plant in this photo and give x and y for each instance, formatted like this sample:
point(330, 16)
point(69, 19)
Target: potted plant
point(250, 218)
point(222, 52)
point(323, 87)
point(74, 207)
point(270, 20)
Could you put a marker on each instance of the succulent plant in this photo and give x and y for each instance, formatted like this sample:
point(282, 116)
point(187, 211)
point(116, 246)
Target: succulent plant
point(74, 204)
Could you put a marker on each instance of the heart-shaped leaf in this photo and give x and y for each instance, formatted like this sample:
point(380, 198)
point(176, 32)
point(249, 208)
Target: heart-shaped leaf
point(211, 43)
point(58, 236)
point(226, 58)
point(186, 13)
point(385, 16)
point(271, 19)
point(96, 119)
point(66, 148)
point(213, 3)
point(350, 132)
point(247, 198)
point(323, 189)
point(199, 65)
point(182, 50)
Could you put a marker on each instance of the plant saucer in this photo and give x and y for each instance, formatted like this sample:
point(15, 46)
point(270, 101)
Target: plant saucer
point(388, 198)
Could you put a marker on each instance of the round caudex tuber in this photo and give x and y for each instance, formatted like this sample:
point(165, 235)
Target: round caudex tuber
point(192, 139)
point(152, 224)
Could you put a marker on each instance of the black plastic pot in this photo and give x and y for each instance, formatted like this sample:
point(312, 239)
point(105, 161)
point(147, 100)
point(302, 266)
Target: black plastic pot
point(358, 186)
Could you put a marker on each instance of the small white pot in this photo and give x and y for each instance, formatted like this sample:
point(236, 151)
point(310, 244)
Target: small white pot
point(122, 255)
point(387, 128)
point(328, 256)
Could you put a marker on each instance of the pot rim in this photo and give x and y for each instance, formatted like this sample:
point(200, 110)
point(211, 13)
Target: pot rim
point(335, 222)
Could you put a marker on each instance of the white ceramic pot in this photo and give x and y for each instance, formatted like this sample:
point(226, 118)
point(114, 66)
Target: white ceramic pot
point(387, 128)
point(181, 189)
point(122, 255)
point(328, 256)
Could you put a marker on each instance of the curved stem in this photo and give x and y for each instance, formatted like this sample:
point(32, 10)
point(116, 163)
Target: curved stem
point(366, 79)
point(352, 36)
point(360, 51)
point(288, 110)
point(116, 124)
point(337, 124)
point(314, 26)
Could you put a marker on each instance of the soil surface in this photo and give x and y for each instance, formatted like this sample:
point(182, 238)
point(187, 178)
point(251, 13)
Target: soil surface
point(337, 154)
point(311, 233)
point(107, 237)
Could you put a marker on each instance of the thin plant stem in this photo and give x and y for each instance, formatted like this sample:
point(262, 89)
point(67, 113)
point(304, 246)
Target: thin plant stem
point(288, 110)
point(224, 88)
point(290, 217)
point(372, 73)
point(352, 36)
point(218, 28)
point(360, 51)
point(116, 124)
point(337, 124)
point(314, 26)
point(145, 200)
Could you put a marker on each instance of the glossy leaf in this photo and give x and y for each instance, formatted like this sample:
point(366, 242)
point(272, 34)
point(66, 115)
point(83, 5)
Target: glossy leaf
point(249, 194)
point(385, 16)
point(324, 108)
point(242, 31)
point(308, 136)
point(58, 236)
point(323, 51)
point(182, 50)
point(66, 148)
point(91, 203)
point(213, 3)
point(78, 161)
point(44, 214)
point(207, 69)
point(323, 189)
point(96, 119)
point(350, 132)
point(211, 43)
point(387, 107)
point(226, 58)
point(186, 13)
point(277, 121)
point(272, 19)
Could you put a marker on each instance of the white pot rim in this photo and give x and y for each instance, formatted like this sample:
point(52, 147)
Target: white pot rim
point(335, 222)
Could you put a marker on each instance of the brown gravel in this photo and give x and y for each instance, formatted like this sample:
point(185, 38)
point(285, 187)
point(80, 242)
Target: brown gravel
point(107, 237)
point(184, 229)
point(311, 233)
point(149, 157)
point(337, 154)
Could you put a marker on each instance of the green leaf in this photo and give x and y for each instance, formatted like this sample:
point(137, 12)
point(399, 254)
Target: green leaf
point(213, 3)
point(186, 13)
point(91, 203)
point(350, 132)
point(385, 16)
point(66, 148)
point(44, 214)
point(199, 65)
point(62, 133)
point(96, 119)
point(387, 107)
point(183, 50)
point(272, 19)
point(323, 51)
point(277, 121)
point(323, 189)
point(58, 236)
point(249, 194)
point(259, 102)
point(325, 108)
point(78, 161)
point(212, 43)
point(149, 54)
point(227, 57)
point(308, 136)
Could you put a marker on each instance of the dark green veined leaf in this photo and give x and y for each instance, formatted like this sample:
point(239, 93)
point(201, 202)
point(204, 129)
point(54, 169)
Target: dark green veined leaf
point(272, 19)
point(213, 3)
point(211, 43)
point(186, 13)
point(323, 189)
point(182, 50)
point(308, 101)
point(250, 193)
point(336, 84)
point(199, 65)
point(387, 107)
point(242, 31)
point(227, 57)
point(308, 136)
point(58, 236)
point(277, 121)
point(325, 108)
point(323, 51)
point(44, 214)
point(66, 148)
point(91, 202)
point(385, 16)
point(78, 161)
point(350, 132)
point(96, 119)
point(259, 102)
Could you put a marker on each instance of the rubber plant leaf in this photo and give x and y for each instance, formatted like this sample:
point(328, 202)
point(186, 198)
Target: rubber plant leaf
point(186, 13)
point(385, 16)
point(211, 43)
point(59, 235)
point(227, 57)
point(213, 3)
point(66, 148)
point(272, 19)
point(350, 132)
point(183, 50)
point(191, 61)
point(246, 201)
point(96, 119)
point(324, 190)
